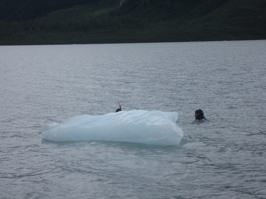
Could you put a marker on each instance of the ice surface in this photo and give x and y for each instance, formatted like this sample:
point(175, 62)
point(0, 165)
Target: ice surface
point(136, 126)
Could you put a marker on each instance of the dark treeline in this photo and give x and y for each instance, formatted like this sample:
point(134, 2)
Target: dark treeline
point(100, 21)
point(27, 9)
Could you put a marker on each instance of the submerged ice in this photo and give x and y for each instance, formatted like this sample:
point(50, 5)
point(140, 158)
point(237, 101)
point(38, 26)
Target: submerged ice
point(136, 126)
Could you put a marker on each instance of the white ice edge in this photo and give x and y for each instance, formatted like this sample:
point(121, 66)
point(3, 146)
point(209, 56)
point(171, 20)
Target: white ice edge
point(136, 126)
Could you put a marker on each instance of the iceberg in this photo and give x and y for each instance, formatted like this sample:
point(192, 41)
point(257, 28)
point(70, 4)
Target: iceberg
point(136, 126)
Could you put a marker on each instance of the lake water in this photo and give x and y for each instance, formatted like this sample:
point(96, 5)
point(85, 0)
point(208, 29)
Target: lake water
point(222, 158)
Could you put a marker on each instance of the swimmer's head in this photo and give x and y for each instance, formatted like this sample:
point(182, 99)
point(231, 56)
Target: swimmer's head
point(199, 115)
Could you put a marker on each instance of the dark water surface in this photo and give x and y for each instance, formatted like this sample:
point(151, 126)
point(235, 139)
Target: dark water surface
point(222, 158)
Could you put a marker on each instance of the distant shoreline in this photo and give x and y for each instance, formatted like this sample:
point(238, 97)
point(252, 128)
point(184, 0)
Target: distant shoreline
point(125, 42)
point(55, 22)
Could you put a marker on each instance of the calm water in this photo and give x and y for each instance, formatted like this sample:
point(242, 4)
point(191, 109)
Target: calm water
point(222, 158)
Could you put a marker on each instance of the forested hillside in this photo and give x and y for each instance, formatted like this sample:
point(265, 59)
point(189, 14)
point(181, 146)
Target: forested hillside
point(105, 21)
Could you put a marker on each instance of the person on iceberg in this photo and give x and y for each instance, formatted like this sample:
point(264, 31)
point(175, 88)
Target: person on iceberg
point(119, 108)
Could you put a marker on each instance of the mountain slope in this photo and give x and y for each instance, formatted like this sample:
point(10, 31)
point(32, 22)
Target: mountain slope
point(100, 21)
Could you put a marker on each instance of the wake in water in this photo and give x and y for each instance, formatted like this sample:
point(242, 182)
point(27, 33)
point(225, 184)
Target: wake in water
point(136, 126)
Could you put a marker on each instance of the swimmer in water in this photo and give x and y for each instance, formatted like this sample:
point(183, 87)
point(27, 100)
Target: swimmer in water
point(199, 116)
point(119, 109)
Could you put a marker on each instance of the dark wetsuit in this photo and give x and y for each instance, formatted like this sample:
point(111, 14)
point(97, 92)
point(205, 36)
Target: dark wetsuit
point(119, 109)
point(199, 116)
